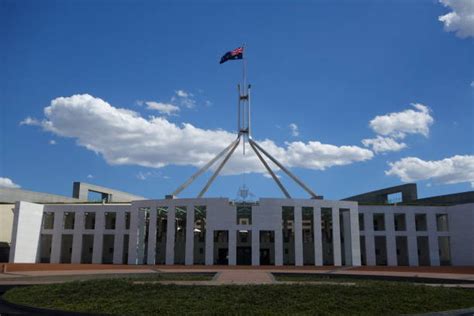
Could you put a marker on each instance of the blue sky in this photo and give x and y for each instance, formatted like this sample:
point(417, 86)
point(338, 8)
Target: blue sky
point(121, 82)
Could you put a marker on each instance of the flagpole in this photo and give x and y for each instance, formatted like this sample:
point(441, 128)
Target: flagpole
point(244, 92)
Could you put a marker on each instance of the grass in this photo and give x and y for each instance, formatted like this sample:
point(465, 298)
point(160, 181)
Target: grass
point(122, 297)
point(343, 278)
point(169, 276)
point(312, 277)
point(152, 276)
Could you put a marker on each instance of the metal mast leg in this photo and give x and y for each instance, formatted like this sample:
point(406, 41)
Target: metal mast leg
point(204, 168)
point(216, 173)
point(282, 188)
point(285, 170)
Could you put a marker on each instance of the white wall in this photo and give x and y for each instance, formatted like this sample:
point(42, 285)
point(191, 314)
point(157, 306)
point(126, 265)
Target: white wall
point(460, 224)
point(266, 215)
point(26, 232)
point(461, 227)
point(6, 222)
point(221, 215)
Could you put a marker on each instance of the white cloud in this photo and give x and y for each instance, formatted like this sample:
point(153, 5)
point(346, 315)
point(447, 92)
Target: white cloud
point(184, 98)
point(8, 183)
point(89, 176)
point(52, 142)
point(383, 144)
point(123, 137)
point(143, 175)
point(460, 19)
point(164, 108)
point(398, 124)
point(472, 84)
point(148, 174)
point(30, 121)
point(456, 169)
point(294, 130)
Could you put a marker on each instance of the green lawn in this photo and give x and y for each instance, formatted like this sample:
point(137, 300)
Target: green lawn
point(171, 276)
point(121, 297)
point(152, 276)
point(341, 278)
point(313, 277)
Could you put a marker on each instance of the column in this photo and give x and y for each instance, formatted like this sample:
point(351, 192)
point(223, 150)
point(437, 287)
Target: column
point(369, 238)
point(336, 236)
point(232, 247)
point(346, 234)
point(189, 252)
point(77, 238)
point(133, 237)
point(355, 236)
point(152, 237)
point(118, 248)
point(98, 236)
point(56, 239)
point(170, 235)
point(391, 240)
point(318, 238)
point(433, 239)
point(411, 239)
point(279, 247)
point(298, 236)
point(210, 246)
point(118, 238)
point(255, 247)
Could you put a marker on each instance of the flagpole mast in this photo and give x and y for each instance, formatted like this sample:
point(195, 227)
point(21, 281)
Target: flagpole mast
point(243, 132)
point(244, 94)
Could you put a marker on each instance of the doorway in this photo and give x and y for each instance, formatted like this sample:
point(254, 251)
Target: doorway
point(244, 255)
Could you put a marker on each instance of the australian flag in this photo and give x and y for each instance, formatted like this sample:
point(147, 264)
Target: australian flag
point(237, 53)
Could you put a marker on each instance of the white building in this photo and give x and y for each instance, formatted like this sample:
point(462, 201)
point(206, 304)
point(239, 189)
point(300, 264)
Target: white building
point(267, 232)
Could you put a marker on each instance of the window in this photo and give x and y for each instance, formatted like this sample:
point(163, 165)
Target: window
point(243, 236)
point(307, 223)
point(200, 222)
point(48, 220)
point(394, 198)
point(379, 221)
point(244, 215)
point(110, 220)
point(400, 222)
point(442, 222)
point(444, 251)
point(361, 221)
point(127, 220)
point(288, 219)
point(420, 222)
point(68, 220)
point(89, 220)
point(161, 224)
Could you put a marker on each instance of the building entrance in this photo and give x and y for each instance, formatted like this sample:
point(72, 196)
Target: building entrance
point(244, 255)
point(223, 256)
point(265, 257)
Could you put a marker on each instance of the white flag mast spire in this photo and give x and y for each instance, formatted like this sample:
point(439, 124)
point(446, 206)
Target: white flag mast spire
point(243, 107)
point(244, 134)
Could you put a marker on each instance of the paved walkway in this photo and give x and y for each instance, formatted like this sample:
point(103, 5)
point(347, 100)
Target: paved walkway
point(244, 277)
point(41, 274)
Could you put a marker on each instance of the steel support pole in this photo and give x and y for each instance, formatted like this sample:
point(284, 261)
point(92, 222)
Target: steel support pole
point(216, 173)
point(204, 168)
point(282, 188)
point(248, 112)
point(238, 111)
point(298, 181)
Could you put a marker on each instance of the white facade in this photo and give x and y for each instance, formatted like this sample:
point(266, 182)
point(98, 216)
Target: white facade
point(217, 231)
point(417, 235)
